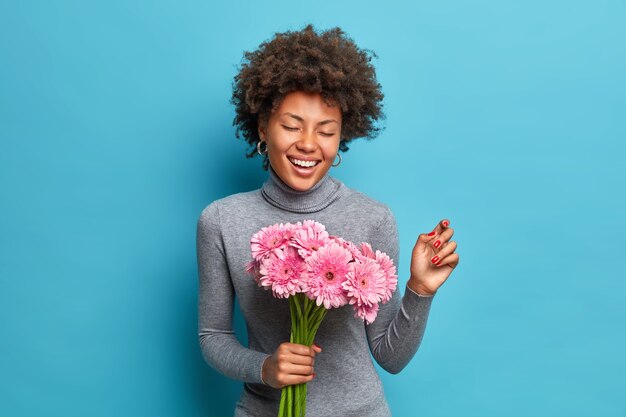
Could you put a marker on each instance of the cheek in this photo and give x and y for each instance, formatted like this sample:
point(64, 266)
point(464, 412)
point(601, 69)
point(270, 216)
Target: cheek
point(279, 141)
point(330, 150)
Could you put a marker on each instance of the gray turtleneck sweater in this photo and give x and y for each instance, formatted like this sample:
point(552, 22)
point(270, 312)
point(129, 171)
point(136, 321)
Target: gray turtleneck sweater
point(346, 382)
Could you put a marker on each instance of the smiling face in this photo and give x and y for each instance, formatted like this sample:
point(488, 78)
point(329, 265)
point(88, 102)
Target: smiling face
point(302, 138)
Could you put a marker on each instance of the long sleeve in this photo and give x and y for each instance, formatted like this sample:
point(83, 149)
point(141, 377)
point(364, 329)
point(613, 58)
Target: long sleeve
point(397, 332)
point(220, 348)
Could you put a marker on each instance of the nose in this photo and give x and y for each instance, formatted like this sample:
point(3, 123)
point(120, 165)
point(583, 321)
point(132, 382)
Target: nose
point(307, 142)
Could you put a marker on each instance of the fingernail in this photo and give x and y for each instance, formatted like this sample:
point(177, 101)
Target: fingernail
point(437, 243)
point(432, 233)
point(316, 346)
point(438, 263)
point(434, 259)
point(445, 223)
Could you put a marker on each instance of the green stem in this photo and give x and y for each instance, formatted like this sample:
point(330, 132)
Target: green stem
point(297, 304)
point(317, 312)
point(315, 325)
point(297, 400)
point(302, 340)
point(283, 398)
point(304, 401)
point(308, 306)
point(306, 317)
point(293, 321)
point(289, 402)
point(315, 318)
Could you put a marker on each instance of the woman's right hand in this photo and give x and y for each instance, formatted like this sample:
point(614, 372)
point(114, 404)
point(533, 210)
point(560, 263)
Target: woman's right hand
point(290, 364)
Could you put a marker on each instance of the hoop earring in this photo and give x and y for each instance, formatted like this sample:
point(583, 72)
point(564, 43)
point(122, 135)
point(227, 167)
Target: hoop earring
point(258, 147)
point(339, 163)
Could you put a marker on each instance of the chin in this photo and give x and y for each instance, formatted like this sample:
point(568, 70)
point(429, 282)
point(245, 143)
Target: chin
point(303, 185)
point(298, 182)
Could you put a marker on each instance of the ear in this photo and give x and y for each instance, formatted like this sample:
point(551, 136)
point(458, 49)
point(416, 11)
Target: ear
point(262, 129)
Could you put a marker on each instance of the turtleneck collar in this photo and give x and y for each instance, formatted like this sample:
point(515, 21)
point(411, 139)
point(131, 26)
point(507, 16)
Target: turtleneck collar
point(321, 195)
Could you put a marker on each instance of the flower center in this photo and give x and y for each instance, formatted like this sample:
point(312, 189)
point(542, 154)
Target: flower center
point(330, 276)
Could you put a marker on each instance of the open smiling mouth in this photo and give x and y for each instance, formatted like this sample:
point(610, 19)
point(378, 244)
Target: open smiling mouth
point(303, 165)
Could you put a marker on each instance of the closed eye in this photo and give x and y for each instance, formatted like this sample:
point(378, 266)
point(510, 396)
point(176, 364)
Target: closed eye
point(295, 129)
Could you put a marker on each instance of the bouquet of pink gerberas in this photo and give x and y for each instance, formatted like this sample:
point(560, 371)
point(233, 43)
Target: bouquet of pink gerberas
point(317, 272)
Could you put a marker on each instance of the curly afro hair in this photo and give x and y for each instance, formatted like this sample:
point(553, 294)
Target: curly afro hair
point(328, 63)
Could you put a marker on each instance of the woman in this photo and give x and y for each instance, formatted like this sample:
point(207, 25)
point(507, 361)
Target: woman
point(300, 98)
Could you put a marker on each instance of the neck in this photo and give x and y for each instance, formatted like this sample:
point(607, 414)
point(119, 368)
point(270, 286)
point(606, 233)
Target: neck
point(281, 195)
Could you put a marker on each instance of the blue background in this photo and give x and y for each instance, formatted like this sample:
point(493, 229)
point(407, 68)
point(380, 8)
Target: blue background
point(508, 118)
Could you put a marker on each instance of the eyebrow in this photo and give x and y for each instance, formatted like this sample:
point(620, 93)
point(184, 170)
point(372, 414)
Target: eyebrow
point(295, 116)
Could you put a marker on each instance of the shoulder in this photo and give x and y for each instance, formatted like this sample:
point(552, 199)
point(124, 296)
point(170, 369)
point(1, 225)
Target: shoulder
point(364, 206)
point(377, 221)
point(233, 204)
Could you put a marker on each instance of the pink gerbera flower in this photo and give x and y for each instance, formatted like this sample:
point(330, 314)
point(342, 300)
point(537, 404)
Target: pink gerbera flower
point(269, 239)
point(351, 247)
point(328, 268)
point(284, 271)
point(365, 283)
point(253, 268)
point(386, 264)
point(367, 313)
point(389, 269)
point(367, 251)
point(308, 237)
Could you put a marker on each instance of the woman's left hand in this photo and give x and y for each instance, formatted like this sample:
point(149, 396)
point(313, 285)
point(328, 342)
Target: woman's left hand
point(433, 259)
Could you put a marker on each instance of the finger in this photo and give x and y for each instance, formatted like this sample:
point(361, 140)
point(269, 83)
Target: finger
point(446, 250)
point(422, 244)
point(424, 238)
point(292, 369)
point(451, 260)
point(298, 379)
point(300, 359)
point(441, 226)
point(441, 239)
point(298, 349)
point(438, 229)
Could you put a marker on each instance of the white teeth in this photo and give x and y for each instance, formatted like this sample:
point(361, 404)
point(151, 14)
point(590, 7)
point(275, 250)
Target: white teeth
point(307, 164)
